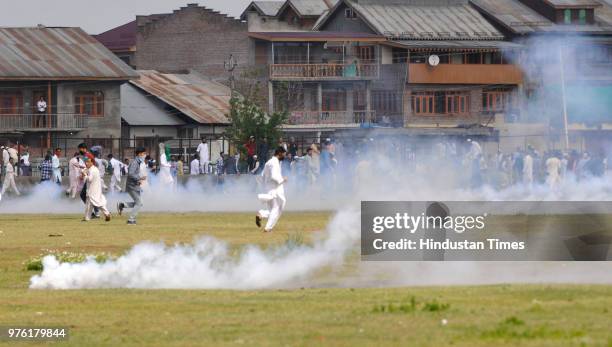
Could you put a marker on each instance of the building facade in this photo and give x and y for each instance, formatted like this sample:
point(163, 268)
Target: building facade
point(567, 60)
point(77, 79)
point(366, 64)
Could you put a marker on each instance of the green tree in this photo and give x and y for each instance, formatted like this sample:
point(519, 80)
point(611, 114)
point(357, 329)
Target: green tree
point(247, 119)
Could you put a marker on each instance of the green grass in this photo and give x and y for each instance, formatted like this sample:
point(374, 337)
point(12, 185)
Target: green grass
point(503, 315)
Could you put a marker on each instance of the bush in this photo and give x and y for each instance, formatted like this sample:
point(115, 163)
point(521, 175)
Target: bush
point(35, 263)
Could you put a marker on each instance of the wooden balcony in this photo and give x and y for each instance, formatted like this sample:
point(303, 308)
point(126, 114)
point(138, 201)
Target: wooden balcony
point(43, 122)
point(465, 74)
point(320, 72)
point(342, 118)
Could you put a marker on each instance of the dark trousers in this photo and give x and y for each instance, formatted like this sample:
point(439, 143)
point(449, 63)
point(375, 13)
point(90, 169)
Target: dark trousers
point(251, 162)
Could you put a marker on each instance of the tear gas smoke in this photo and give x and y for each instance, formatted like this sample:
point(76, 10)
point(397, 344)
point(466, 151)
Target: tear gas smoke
point(206, 264)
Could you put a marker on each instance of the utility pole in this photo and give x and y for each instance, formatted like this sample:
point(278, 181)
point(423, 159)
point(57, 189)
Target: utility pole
point(564, 100)
point(230, 66)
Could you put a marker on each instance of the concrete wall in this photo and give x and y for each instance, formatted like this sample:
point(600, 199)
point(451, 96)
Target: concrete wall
point(106, 126)
point(192, 38)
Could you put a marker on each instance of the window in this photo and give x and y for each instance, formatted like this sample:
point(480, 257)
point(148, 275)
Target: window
point(350, 14)
point(567, 16)
point(334, 100)
point(400, 55)
point(387, 102)
point(457, 102)
point(497, 100)
point(473, 58)
point(11, 103)
point(185, 133)
point(89, 103)
point(456, 58)
point(582, 16)
point(441, 102)
point(423, 103)
point(365, 54)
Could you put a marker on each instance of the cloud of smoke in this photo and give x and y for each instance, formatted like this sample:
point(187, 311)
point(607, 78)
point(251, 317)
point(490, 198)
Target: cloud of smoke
point(207, 264)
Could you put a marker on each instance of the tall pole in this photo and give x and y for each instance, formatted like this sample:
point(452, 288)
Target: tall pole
point(230, 66)
point(49, 105)
point(564, 100)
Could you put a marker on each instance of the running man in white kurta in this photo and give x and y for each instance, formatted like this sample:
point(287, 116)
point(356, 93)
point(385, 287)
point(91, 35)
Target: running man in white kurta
point(75, 166)
point(9, 178)
point(115, 184)
point(95, 198)
point(274, 197)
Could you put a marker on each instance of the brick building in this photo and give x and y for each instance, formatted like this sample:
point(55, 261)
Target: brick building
point(191, 38)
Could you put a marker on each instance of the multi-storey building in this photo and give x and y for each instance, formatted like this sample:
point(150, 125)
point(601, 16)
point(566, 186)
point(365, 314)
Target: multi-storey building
point(390, 63)
point(568, 68)
point(77, 78)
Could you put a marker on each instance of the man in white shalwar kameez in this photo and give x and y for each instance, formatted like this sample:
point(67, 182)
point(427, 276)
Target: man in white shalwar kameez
point(553, 169)
point(75, 166)
point(57, 170)
point(528, 168)
point(115, 183)
point(95, 198)
point(194, 168)
point(204, 156)
point(274, 198)
point(9, 178)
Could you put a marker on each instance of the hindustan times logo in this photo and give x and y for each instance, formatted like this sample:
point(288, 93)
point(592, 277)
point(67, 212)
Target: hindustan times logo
point(411, 224)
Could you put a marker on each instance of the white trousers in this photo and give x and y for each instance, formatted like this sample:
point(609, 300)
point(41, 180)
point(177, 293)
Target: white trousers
point(57, 176)
point(115, 184)
point(89, 209)
point(9, 183)
point(74, 187)
point(272, 213)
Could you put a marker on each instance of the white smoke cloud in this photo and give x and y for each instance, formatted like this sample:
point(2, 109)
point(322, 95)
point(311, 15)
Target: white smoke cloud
point(207, 264)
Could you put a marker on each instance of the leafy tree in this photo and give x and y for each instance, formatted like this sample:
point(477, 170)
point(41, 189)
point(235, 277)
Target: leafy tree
point(247, 119)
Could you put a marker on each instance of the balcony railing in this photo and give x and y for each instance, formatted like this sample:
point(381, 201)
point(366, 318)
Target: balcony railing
point(332, 117)
point(43, 122)
point(324, 71)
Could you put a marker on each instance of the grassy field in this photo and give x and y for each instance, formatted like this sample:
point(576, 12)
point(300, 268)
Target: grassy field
point(503, 315)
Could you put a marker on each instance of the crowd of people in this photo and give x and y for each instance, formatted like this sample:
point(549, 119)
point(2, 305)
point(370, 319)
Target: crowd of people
point(315, 165)
point(530, 167)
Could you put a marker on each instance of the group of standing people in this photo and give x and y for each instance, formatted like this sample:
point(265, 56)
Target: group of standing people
point(529, 167)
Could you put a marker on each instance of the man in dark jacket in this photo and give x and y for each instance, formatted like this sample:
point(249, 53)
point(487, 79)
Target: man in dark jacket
point(135, 178)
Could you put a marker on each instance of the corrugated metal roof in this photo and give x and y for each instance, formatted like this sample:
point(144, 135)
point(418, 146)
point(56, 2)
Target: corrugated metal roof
point(455, 22)
point(269, 8)
point(263, 8)
point(57, 54)
point(311, 7)
point(521, 19)
point(204, 101)
point(138, 108)
point(471, 44)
